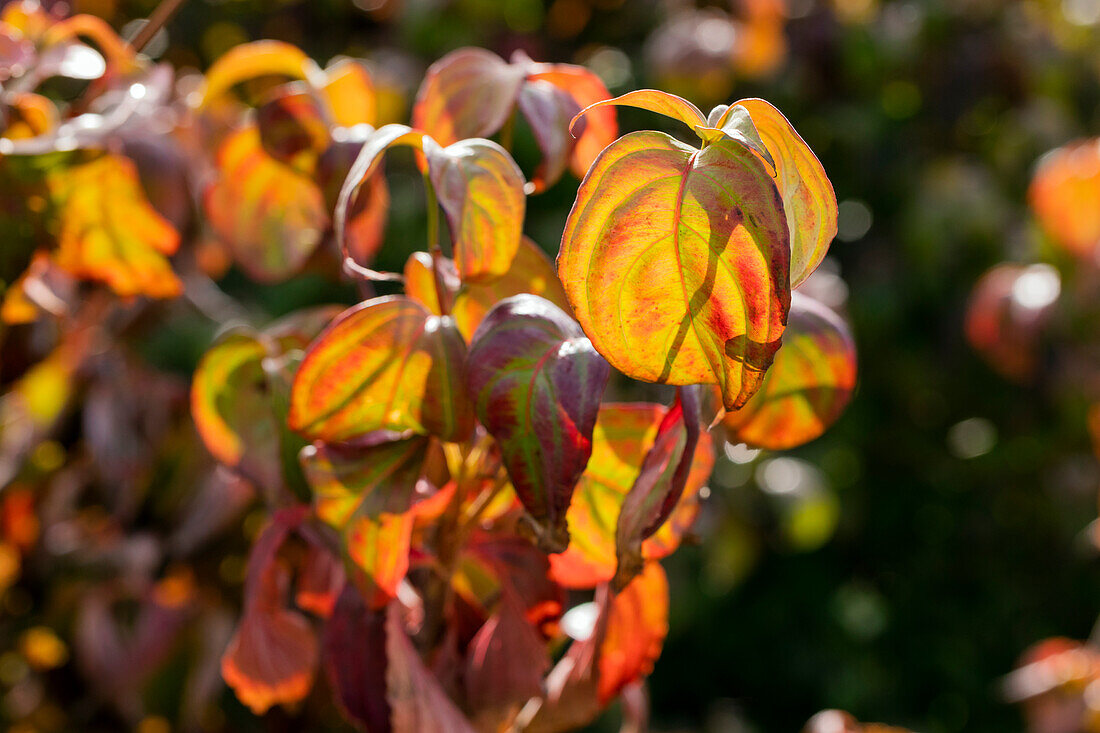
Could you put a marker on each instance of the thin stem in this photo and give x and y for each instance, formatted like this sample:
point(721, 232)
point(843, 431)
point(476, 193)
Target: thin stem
point(161, 15)
point(433, 246)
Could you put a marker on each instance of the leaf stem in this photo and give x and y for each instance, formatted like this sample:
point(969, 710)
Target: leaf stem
point(433, 245)
point(161, 15)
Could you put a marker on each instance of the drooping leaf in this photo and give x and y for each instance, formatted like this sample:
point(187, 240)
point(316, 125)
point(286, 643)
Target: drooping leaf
point(676, 262)
point(365, 224)
point(367, 491)
point(272, 658)
point(354, 644)
point(480, 189)
point(468, 93)
point(253, 60)
point(1063, 194)
point(472, 93)
point(385, 364)
point(549, 110)
point(504, 665)
point(537, 384)
point(271, 217)
point(808, 198)
point(477, 184)
point(659, 485)
point(623, 436)
point(601, 125)
point(653, 100)
point(107, 231)
point(415, 696)
point(808, 386)
point(531, 272)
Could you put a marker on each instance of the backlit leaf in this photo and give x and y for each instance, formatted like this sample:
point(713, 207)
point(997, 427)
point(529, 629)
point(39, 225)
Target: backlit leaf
point(108, 231)
point(808, 386)
point(385, 364)
point(531, 272)
point(653, 100)
point(468, 93)
point(676, 262)
point(349, 91)
point(270, 216)
point(637, 624)
point(623, 435)
point(420, 284)
point(549, 110)
point(808, 198)
point(659, 485)
point(365, 223)
point(292, 128)
point(253, 60)
point(480, 189)
point(230, 405)
point(601, 125)
point(537, 384)
point(272, 658)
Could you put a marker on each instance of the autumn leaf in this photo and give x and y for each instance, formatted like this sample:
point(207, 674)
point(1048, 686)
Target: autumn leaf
point(676, 261)
point(472, 92)
point(385, 364)
point(270, 215)
point(108, 231)
point(808, 386)
point(537, 383)
point(637, 624)
point(354, 644)
point(659, 485)
point(623, 436)
point(252, 60)
point(477, 184)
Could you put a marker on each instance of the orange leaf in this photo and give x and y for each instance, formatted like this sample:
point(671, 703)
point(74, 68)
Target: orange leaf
point(109, 232)
point(531, 272)
point(808, 386)
point(385, 364)
point(653, 100)
point(601, 125)
point(269, 215)
point(349, 91)
point(253, 60)
point(637, 624)
point(623, 435)
point(676, 262)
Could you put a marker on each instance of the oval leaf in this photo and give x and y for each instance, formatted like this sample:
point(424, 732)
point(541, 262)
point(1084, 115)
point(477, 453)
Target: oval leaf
point(468, 93)
point(601, 125)
point(270, 216)
point(548, 110)
point(537, 383)
point(256, 59)
point(480, 189)
point(808, 198)
point(1063, 194)
point(676, 262)
point(808, 386)
point(385, 364)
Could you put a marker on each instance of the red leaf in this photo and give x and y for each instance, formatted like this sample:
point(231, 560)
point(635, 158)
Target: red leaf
point(549, 109)
point(538, 382)
point(415, 696)
point(637, 624)
point(504, 665)
point(354, 645)
point(659, 485)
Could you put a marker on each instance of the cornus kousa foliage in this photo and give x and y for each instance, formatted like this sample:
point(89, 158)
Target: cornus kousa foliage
point(461, 533)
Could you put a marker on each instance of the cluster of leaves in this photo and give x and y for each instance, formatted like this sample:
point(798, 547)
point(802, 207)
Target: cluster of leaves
point(459, 528)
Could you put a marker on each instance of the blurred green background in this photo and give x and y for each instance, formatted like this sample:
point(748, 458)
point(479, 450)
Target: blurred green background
point(898, 566)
